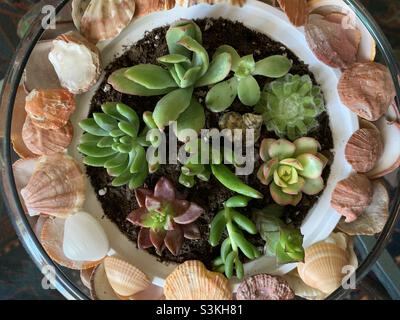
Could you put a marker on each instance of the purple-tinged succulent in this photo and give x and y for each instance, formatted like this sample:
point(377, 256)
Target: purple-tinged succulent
point(165, 220)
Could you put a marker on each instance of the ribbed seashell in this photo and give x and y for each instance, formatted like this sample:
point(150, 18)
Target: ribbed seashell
point(364, 149)
point(50, 108)
point(57, 187)
point(78, 9)
point(100, 288)
point(45, 142)
point(296, 11)
point(301, 289)
point(124, 278)
point(352, 196)
point(105, 19)
point(145, 7)
point(52, 237)
point(192, 281)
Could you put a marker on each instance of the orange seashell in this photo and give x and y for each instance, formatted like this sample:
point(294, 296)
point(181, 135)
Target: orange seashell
point(145, 7)
point(50, 108)
point(192, 281)
point(296, 10)
point(45, 142)
point(57, 187)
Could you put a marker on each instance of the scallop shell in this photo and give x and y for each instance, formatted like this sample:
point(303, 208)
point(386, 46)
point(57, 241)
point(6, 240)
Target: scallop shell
point(364, 149)
point(124, 278)
point(145, 7)
point(296, 11)
point(153, 292)
point(56, 188)
point(352, 196)
point(301, 289)
point(100, 288)
point(192, 281)
point(375, 216)
point(50, 108)
point(78, 9)
point(105, 19)
point(45, 142)
point(52, 237)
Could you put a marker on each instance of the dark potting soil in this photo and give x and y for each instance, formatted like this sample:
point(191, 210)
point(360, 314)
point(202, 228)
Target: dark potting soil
point(119, 202)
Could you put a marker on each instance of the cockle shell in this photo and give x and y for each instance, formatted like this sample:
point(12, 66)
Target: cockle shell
point(152, 292)
point(325, 264)
point(50, 108)
point(192, 281)
point(44, 142)
point(367, 89)
point(301, 289)
point(84, 238)
point(76, 61)
point(52, 237)
point(352, 196)
point(100, 288)
point(296, 11)
point(105, 19)
point(124, 278)
point(364, 149)
point(57, 187)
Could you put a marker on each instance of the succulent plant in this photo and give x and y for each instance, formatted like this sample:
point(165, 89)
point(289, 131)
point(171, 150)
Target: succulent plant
point(243, 84)
point(290, 106)
point(283, 241)
point(185, 67)
point(165, 220)
point(234, 120)
point(235, 223)
point(291, 169)
point(112, 141)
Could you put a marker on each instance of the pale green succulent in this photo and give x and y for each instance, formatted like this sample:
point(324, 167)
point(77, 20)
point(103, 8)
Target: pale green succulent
point(290, 106)
point(291, 169)
point(243, 84)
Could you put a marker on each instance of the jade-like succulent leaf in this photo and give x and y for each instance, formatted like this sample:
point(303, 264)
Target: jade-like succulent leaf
point(190, 77)
point(273, 67)
point(312, 166)
point(179, 30)
point(218, 70)
point(150, 76)
point(281, 149)
point(264, 148)
point(246, 66)
point(313, 186)
point(233, 53)
point(249, 91)
point(173, 59)
point(222, 95)
point(105, 121)
point(295, 188)
point(192, 118)
point(90, 126)
point(282, 198)
point(171, 106)
point(306, 145)
point(292, 162)
point(200, 54)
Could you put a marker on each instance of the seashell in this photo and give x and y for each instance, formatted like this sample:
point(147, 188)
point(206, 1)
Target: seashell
point(51, 239)
point(23, 170)
point(57, 187)
point(152, 292)
point(364, 149)
point(78, 9)
point(105, 19)
point(76, 61)
point(367, 89)
point(296, 11)
point(375, 216)
point(39, 225)
point(100, 288)
point(145, 7)
point(301, 289)
point(85, 275)
point(192, 281)
point(50, 108)
point(264, 287)
point(189, 3)
point(352, 196)
point(44, 142)
point(124, 278)
point(324, 263)
point(84, 238)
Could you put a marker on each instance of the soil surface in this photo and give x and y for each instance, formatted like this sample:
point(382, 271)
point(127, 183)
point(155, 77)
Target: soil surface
point(119, 202)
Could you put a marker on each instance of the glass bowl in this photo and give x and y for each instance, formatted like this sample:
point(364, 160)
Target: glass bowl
point(66, 281)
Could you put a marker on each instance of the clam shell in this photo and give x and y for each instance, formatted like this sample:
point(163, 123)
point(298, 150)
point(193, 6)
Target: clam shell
point(100, 288)
point(50, 108)
point(56, 188)
point(364, 149)
point(124, 278)
point(105, 19)
point(192, 281)
point(51, 238)
point(76, 61)
point(301, 289)
point(45, 142)
point(375, 216)
point(352, 196)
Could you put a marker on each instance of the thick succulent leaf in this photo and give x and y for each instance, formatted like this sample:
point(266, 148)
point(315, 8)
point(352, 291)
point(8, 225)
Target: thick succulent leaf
point(141, 194)
point(264, 148)
point(180, 70)
point(273, 66)
point(219, 69)
point(278, 180)
point(174, 74)
point(173, 59)
point(281, 149)
point(174, 240)
point(306, 145)
point(249, 91)
point(190, 77)
point(313, 186)
point(191, 231)
point(312, 166)
point(179, 30)
point(190, 215)
point(152, 203)
point(90, 126)
point(295, 188)
point(122, 84)
point(222, 95)
point(144, 241)
point(246, 66)
point(192, 118)
point(171, 106)
point(279, 196)
point(233, 53)
point(105, 121)
point(136, 216)
point(157, 239)
point(128, 113)
point(110, 108)
point(323, 159)
point(270, 167)
point(164, 190)
point(200, 54)
point(150, 76)
point(292, 162)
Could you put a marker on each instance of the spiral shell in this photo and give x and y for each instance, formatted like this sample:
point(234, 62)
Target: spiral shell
point(57, 187)
point(45, 142)
point(192, 281)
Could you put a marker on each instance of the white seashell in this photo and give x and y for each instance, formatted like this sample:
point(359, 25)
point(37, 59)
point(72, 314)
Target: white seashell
point(84, 238)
